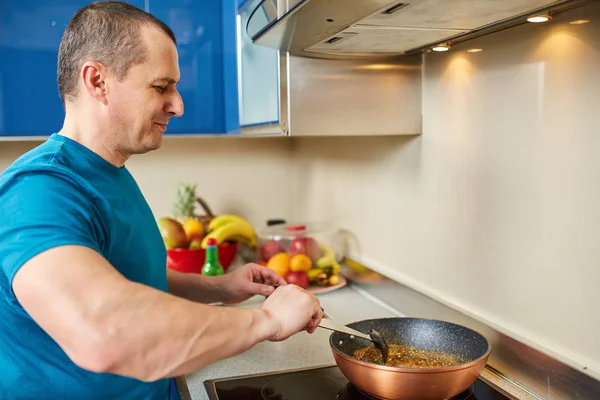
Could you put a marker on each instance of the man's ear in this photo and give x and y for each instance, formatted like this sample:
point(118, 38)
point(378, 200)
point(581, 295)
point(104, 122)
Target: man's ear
point(93, 76)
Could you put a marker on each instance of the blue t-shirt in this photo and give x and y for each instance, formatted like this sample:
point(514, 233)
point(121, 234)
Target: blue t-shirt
point(62, 193)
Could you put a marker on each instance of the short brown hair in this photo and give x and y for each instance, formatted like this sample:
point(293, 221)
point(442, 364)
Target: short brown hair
point(107, 32)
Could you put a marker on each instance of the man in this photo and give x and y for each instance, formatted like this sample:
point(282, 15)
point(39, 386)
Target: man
point(87, 308)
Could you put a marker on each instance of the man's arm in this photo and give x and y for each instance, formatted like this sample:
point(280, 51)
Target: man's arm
point(233, 287)
point(195, 287)
point(106, 323)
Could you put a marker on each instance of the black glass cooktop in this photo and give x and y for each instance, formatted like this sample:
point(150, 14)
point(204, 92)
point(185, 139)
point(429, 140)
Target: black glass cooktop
point(323, 383)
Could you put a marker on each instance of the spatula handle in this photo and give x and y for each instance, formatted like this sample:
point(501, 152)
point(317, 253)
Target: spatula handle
point(334, 326)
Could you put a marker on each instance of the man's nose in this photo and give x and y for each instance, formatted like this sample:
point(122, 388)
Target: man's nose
point(175, 105)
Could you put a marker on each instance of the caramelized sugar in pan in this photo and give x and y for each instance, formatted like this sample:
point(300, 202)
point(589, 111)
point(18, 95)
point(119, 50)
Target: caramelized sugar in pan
point(408, 357)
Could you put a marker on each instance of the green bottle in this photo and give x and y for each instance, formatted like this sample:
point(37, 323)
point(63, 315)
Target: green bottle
point(212, 266)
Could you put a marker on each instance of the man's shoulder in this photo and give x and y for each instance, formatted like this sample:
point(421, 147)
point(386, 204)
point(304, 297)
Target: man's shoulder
point(45, 171)
point(38, 186)
point(39, 162)
point(41, 152)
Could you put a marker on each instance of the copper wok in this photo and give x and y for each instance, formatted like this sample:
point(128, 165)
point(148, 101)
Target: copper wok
point(430, 383)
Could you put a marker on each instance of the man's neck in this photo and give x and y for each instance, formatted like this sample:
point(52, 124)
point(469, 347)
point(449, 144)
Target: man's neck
point(92, 136)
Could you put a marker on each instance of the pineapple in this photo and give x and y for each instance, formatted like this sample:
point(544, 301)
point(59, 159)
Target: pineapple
point(185, 205)
point(185, 202)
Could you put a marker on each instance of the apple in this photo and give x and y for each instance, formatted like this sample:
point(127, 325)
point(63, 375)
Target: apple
point(270, 248)
point(305, 245)
point(298, 278)
point(196, 243)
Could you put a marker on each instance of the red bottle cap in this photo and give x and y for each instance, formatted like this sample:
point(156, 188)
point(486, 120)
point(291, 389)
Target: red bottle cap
point(296, 228)
point(211, 242)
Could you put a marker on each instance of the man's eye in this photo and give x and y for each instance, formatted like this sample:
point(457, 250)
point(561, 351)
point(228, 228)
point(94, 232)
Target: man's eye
point(161, 89)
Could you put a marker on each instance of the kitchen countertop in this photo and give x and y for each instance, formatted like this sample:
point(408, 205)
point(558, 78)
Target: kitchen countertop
point(344, 305)
point(515, 369)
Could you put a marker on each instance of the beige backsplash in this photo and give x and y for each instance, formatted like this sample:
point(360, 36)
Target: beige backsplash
point(495, 208)
point(250, 177)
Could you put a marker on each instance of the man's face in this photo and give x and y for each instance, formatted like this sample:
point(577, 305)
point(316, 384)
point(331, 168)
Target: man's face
point(140, 106)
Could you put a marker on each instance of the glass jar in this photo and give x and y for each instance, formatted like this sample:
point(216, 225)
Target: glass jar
point(304, 254)
point(314, 240)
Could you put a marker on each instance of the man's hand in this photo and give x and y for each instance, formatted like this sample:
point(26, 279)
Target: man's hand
point(292, 309)
point(248, 281)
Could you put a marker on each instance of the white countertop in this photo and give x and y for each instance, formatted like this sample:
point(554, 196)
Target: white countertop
point(344, 305)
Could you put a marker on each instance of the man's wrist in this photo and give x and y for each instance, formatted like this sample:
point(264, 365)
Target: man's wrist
point(218, 286)
point(199, 288)
point(265, 325)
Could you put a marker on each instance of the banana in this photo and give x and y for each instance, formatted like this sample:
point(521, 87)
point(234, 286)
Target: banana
point(224, 219)
point(330, 270)
point(355, 266)
point(335, 268)
point(230, 227)
point(327, 256)
point(250, 241)
point(313, 273)
point(230, 230)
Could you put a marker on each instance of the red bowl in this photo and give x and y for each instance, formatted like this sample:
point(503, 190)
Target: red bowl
point(192, 260)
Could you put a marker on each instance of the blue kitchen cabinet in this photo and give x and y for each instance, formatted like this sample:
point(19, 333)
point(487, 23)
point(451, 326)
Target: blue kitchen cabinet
point(226, 83)
point(206, 33)
point(30, 33)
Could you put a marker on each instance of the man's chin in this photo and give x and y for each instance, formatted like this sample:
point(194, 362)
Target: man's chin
point(154, 144)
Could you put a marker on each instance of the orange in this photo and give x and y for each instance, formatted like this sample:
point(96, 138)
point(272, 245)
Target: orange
point(280, 263)
point(300, 262)
point(193, 229)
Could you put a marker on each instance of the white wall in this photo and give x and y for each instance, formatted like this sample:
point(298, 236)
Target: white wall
point(495, 208)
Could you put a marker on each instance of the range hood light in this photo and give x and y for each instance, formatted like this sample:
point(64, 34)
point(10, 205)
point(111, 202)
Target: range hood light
point(539, 18)
point(441, 47)
point(474, 50)
point(579, 22)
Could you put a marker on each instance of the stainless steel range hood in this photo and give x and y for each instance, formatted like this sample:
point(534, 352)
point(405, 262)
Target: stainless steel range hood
point(367, 28)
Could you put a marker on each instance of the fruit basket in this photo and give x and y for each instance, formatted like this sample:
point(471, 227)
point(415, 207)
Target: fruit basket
point(192, 260)
point(301, 253)
point(186, 233)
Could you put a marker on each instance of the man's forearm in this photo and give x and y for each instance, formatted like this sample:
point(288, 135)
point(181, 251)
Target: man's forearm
point(195, 287)
point(106, 323)
point(172, 336)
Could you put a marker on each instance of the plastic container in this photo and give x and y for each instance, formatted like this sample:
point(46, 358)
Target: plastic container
point(192, 260)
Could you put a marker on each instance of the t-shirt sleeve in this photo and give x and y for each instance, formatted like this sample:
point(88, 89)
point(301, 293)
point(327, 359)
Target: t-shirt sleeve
point(45, 210)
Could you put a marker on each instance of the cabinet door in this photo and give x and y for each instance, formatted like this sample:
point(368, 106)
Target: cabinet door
point(30, 33)
point(206, 36)
point(259, 71)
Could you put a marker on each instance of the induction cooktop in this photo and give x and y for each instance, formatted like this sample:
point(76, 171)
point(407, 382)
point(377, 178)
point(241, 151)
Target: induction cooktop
point(320, 383)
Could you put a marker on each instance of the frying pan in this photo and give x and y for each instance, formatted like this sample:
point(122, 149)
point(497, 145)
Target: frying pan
point(395, 383)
